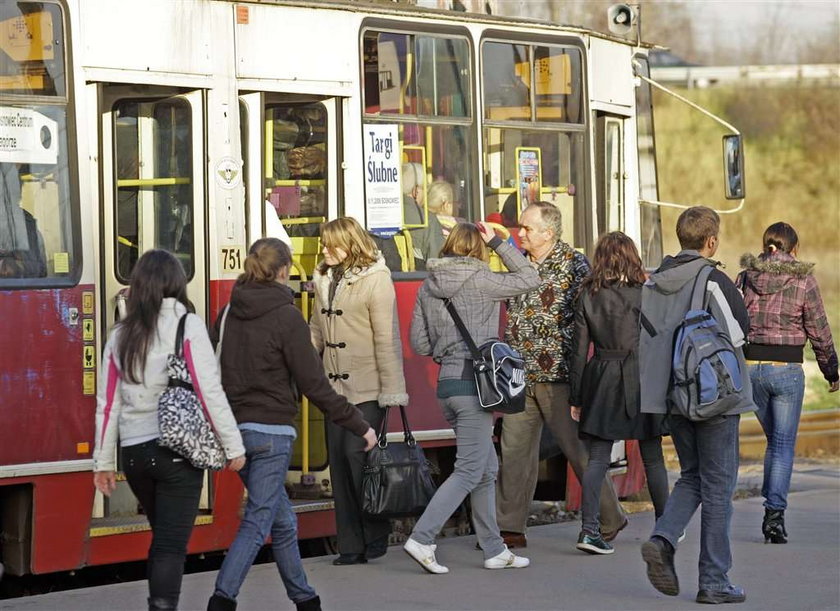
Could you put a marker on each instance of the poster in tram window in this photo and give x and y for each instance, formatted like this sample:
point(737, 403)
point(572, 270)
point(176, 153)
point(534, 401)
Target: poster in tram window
point(383, 196)
point(528, 176)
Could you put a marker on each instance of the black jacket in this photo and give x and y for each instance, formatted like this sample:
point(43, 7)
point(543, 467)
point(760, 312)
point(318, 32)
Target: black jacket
point(607, 387)
point(266, 351)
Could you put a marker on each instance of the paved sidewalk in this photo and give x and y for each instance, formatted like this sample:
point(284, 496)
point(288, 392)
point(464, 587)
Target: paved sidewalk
point(805, 574)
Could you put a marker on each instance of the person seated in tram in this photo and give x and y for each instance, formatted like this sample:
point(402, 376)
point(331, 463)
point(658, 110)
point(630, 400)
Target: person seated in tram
point(428, 240)
point(441, 203)
point(22, 253)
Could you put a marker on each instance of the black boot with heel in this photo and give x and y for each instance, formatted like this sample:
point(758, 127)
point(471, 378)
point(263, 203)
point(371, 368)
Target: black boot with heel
point(773, 526)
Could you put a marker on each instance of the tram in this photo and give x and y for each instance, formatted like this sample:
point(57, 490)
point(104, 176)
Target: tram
point(134, 124)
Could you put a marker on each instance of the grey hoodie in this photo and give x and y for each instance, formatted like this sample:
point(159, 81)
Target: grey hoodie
point(476, 292)
point(666, 297)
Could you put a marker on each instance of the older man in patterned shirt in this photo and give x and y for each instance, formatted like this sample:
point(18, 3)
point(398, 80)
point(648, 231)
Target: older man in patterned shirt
point(540, 325)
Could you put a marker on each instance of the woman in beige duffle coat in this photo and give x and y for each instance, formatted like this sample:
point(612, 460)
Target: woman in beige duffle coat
point(355, 326)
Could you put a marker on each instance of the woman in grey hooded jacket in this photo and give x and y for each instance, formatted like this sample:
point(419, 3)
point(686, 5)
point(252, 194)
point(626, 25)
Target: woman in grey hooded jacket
point(464, 276)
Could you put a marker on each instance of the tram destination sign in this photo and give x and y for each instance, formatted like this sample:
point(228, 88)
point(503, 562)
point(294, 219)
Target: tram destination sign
point(27, 136)
point(383, 195)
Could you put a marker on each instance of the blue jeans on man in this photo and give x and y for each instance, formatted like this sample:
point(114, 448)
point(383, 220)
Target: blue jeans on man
point(708, 453)
point(778, 391)
point(267, 512)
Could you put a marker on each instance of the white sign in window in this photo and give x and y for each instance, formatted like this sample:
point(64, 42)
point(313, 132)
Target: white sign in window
point(27, 136)
point(383, 195)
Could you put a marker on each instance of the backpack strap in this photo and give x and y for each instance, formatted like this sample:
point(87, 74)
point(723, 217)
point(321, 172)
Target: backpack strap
point(699, 299)
point(222, 334)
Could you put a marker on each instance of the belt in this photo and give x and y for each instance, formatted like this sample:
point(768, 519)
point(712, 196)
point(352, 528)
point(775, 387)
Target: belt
point(773, 363)
point(611, 355)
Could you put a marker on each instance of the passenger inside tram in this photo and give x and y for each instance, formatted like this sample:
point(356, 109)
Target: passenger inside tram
point(22, 252)
point(427, 240)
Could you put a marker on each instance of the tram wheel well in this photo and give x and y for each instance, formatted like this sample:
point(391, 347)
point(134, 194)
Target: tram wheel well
point(16, 529)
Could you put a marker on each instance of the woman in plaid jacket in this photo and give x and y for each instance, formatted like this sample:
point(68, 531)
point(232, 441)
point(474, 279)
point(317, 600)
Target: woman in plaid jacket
point(785, 308)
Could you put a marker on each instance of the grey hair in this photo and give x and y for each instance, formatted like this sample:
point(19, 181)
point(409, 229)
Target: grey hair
point(550, 216)
point(413, 175)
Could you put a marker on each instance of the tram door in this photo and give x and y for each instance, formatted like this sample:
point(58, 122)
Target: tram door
point(291, 154)
point(610, 172)
point(153, 196)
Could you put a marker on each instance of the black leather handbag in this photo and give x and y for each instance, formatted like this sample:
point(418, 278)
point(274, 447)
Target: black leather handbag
point(397, 481)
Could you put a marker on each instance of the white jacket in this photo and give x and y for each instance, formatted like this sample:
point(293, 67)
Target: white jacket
point(131, 409)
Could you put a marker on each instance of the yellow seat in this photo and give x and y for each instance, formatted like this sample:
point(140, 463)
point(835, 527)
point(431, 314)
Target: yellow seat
point(405, 249)
point(306, 251)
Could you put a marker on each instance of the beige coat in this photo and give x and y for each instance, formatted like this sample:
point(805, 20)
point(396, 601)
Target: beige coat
point(359, 335)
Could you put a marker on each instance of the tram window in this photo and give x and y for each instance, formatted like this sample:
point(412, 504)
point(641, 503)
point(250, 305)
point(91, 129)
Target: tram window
point(296, 165)
point(557, 94)
point(559, 174)
point(509, 71)
point(416, 75)
point(38, 220)
point(651, 226)
point(32, 44)
point(507, 81)
point(154, 181)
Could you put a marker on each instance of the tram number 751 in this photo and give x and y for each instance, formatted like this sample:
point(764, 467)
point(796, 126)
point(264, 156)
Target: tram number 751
point(231, 259)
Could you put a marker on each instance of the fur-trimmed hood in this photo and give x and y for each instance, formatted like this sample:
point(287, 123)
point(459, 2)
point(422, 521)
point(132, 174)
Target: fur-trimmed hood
point(448, 274)
point(773, 272)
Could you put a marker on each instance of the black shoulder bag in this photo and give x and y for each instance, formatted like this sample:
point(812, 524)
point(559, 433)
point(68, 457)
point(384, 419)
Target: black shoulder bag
point(397, 481)
point(499, 371)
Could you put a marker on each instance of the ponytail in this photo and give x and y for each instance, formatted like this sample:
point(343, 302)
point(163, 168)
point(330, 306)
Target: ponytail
point(266, 257)
point(780, 237)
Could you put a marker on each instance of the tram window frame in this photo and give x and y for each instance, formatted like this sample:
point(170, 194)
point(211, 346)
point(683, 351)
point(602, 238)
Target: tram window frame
point(652, 249)
point(269, 102)
point(467, 184)
point(582, 222)
point(194, 169)
point(68, 197)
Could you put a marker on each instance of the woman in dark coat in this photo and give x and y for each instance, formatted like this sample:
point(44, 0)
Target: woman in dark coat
point(605, 390)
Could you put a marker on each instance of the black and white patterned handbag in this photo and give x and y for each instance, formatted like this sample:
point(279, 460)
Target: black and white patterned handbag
point(184, 425)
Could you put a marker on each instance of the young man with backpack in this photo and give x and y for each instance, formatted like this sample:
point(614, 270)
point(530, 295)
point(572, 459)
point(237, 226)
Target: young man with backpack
point(698, 322)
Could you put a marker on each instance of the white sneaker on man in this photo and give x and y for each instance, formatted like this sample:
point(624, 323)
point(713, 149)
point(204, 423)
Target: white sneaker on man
point(506, 560)
point(425, 556)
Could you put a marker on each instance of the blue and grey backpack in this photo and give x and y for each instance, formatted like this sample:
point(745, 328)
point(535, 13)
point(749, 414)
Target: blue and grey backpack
point(706, 377)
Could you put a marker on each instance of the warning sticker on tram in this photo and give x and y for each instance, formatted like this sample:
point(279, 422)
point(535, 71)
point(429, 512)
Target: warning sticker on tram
point(89, 357)
point(27, 136)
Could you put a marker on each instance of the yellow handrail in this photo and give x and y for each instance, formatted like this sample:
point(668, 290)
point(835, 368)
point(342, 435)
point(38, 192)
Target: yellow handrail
point(304, 220)
point(304, 401)
point(152, 182)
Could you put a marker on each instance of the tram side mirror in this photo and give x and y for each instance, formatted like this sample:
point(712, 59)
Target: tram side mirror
point(733, 165)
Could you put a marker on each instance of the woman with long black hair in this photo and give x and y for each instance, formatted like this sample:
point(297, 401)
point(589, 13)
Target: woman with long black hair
point(132, 377)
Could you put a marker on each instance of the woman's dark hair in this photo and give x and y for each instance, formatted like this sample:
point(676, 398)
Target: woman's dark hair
point(266, 257)
point(616, 260)
point(156, 276)
point(780, 236)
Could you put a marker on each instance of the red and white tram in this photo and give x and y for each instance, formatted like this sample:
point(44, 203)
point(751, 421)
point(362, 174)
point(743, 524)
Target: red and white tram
point(132, 124)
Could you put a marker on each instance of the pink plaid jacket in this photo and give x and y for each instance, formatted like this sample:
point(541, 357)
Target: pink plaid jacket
point(785, 306)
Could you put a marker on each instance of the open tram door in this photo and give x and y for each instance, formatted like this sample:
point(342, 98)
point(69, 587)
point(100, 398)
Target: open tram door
point(152, 177)
point(291, 150)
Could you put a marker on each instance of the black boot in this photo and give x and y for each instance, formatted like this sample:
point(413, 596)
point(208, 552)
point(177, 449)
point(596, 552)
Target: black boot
point(313, 604)
point(158, 603)
point(220, 603)
point(773, 526)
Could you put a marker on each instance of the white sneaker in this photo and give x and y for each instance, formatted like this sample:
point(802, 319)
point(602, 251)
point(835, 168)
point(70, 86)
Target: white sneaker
point(425, 556)
point(506, 560)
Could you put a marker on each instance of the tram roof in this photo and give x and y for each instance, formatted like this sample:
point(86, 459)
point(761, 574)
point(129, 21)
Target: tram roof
point(395, 9)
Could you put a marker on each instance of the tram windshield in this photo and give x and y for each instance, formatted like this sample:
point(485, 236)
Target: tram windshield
point(37, 236)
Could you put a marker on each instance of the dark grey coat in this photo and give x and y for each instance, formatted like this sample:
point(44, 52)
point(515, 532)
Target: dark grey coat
point(606, 388)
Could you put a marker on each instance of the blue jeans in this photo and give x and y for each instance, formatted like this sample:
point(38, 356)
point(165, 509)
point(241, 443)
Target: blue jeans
point(778, 391)
point(268, 512)
point(708, 453)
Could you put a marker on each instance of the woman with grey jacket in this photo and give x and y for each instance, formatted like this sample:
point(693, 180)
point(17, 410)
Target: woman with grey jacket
point(463, 276)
